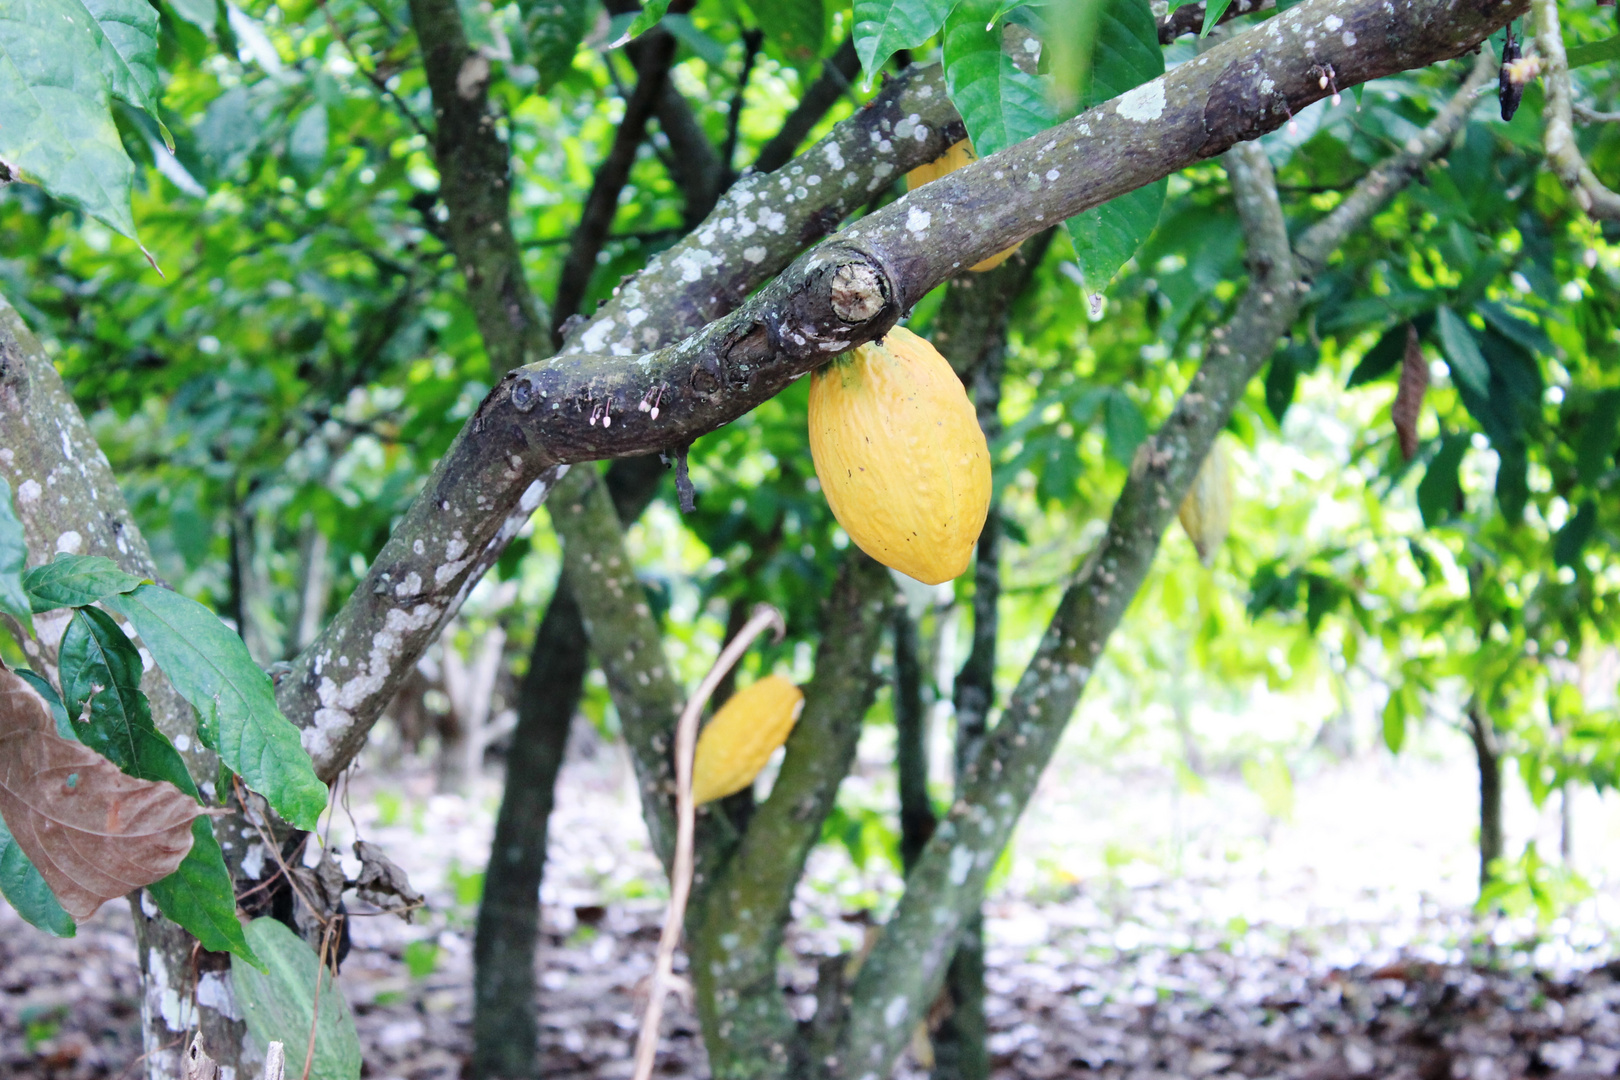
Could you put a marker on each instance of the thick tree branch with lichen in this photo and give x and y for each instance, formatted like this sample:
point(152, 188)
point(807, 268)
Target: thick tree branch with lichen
point(1558, 132)
point(908, 963)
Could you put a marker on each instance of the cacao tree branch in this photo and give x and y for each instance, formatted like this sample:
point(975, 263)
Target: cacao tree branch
point(68, 500)
point(737, 928)
point(1558, 132)
point(837, 73)
point(906, 967)
point(504, 1022)
point(481, 493)
point(655, 52)
point(908, 963)
point(476, 185)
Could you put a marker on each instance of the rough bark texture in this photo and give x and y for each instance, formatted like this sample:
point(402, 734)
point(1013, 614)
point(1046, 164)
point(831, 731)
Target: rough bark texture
point(1488, 755)
point(654, 52)
point(476, 184)
point(68, 500)
point(910, 738)
point(1558, 132)
point(504, 1021)
point(907, 965)
point(972, 331)
point(737, 930)
point(834, 82)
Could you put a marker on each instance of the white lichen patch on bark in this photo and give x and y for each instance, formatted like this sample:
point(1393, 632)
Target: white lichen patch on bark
point(1144, 104)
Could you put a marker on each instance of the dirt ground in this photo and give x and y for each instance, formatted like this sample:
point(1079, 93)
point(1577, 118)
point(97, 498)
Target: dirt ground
point(1190, 935)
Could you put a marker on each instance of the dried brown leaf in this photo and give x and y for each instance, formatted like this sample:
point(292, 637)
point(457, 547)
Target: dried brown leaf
point(382, 883)
point(91, 831)
point(1409, 398)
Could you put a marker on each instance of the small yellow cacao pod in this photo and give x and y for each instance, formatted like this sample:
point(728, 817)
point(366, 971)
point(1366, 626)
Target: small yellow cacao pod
point(742, 736)
point(955, 158)
point(900, 455)
point(1206, 512)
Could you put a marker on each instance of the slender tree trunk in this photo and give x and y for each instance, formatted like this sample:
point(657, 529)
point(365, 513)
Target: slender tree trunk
point(911, 738)
point(505, 1032)
point(1489, 755)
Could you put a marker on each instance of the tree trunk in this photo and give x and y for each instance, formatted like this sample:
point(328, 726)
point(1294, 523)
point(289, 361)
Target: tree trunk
point(504, 1013)
point(911, 738)
point(1489, 755)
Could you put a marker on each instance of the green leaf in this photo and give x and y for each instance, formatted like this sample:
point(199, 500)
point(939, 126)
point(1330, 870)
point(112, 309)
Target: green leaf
point(100, 665)
point(1281, 379)
point(1575, 534)
point(199, 13)
point(1512, 479)
point(1395, 720)
point(1126, 55)
point(651, 12)
point(279, 1003)
point(999, 104)
point(1594, 52)
point(238, 717)
point(1467, 364)
point(1125, 425)
point(883, 27)
point(128, 31)
point(1439, 491)
point(201, 897)
point(307, 142)
point(554, 29)
point(794, 29)
point(1594, 452)
point(25, 890)
point(13, 558)
point(1381, 359)
point(707, 49)
point(76, 581)
point(1212, 14)
point(56, 126)
point(64, 727)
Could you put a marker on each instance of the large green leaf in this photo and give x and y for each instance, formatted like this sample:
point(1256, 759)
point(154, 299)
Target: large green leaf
point(1439, 490)
point(554, 29)
point(1126, 56)
point(645, 20)
point(999, 104)
point(236, 705)
point(56, 127)
point(99, 666)
point(13, 558)
point(76, 581)
point(127, 30)
point(44, 689)
point(26, 891)
point(1467, 364)
point(1575, 534)
point(1594, 53)
point(1594, 452)
point(883, 27)
point(793, 29)
point(279, 1003)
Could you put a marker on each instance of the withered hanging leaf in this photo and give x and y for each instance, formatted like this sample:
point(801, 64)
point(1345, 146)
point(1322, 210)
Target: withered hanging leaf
point(382, 883)
point(1409, 398)
point(91, 831)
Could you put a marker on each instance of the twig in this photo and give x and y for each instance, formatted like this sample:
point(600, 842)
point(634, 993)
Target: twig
point(275, 850)
point(728, 154)
point(680, 886)
point(315, 1007)
point(275, 1062)
point(1585, 114)
point(374, 77)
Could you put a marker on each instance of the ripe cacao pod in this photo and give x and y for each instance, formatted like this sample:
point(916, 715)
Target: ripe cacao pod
point(1206, 512)
point(900, 455)
point(955, 158)
point(742, 736)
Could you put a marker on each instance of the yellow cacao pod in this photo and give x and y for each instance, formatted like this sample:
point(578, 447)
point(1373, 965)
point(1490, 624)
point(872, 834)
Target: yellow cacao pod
point(955, 158)
point(742, 736)
point(900, 455)
point(1206, 512)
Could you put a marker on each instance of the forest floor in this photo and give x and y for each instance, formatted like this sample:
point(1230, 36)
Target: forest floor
point(1145, 927)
